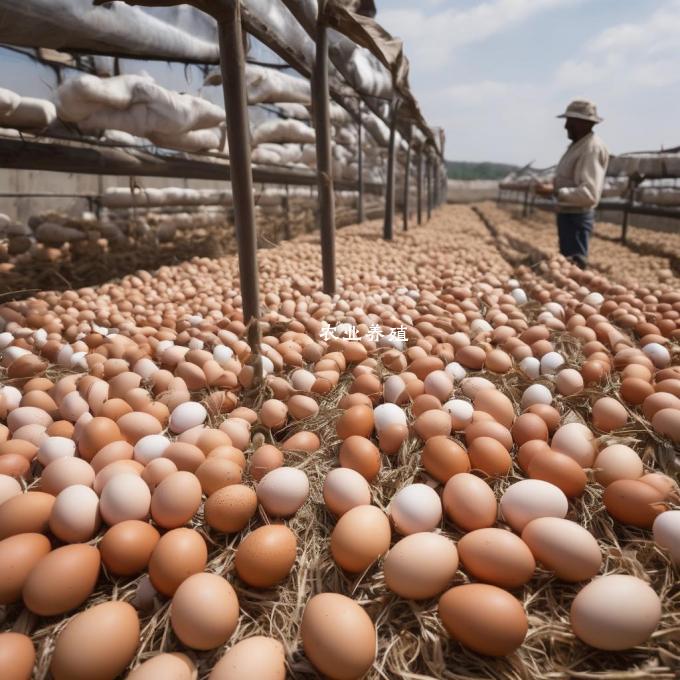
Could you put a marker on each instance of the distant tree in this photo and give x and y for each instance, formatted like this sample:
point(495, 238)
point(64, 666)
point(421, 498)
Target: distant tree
point(468, 170)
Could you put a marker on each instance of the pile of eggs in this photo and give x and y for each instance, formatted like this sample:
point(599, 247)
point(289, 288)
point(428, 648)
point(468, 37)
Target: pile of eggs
point(144, 469)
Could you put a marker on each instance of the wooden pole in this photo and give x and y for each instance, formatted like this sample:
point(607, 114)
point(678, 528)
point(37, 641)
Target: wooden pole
point(428, 173)
point(407, 170)
point(419, 183)
point(388, 225)
point(232, 62)
point(322, 120)
point(360, 166)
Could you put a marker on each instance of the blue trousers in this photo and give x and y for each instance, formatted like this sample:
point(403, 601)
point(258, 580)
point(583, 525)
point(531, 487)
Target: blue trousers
point(574, 230)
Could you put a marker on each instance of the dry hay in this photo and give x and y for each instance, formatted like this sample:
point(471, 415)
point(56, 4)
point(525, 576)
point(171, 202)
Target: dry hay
point(412, 643)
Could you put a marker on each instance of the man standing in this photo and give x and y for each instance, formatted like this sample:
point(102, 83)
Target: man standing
point(579, 179)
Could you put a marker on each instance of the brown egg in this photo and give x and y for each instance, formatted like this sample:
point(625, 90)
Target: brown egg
point(157, 470)
point(355, 421)
point(496, 404)
point(469, 502)
point(549, 414)
point(114, 409)
point(347, 647)
point(471, 357)
point(528, 450)
point(360, 537)
point(302, 441)
point(663, 483)
point(230, 508)
point(356, 399)
point(529, 426)
point(360, 454)
point(17, 656)
point(633, 502)
point(254, 657)
point(14, 465)
point(496, 556)
point(126, 547)
point(273, 414)
point(442, 457)
point(391, 438)
point(558, 469)
point(97, 643)
point(19, 447)
point(368, 384)
point(301, 407)
point(488, 429)
point(609, 414)
point(593, 371)
point(425, 402)
point(116, 468)
point(62, 580)
point(18, 555)
point(266, 556)
point(425, 365)
point(432, 423)
point(177, 555)
point(96, 435)
point(498, 361)
point(176, 499)
point(25, 514)
point(264, 459)
point(217, 473)
point(117, 450)
point(657, 401)
point(185, 456)
point(484, 618)
point(666, 422)
point(634, 390)
point(60, 428)
point(136, 425)
point(173, 665)
point(489, 456)
point(228, 453)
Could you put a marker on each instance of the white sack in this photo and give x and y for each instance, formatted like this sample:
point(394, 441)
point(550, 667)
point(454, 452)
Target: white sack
point(283, 131)
point(9, 101)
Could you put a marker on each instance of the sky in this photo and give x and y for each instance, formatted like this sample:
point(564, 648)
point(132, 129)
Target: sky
point(495, 73)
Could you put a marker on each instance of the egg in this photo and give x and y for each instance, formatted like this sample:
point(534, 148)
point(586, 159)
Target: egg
point(273, 414)
point(576, 441)
point(125, 496)
point(531, 498)
point(175, 500)
point(75, 514)
point(27, 415)
point(283, 491)
point(439, 384)
point(96, 644)
point(415, 508)
point(149, 447)
point(62, 580)
point(663, 483)
point(96, 434)
point(265, 459)
point(558, 469)
point(484, 618)
point(14, 465)
point(266, 555)
point(344, 489)
point(388, 414)
point(360, 454)
point(633, 502)
point(360, 537)
point(442, 457)
point(126, 547)
point(666, 530)
point(536, 394)
point(9, 488)
point(564, 547)
point(421, 565)
point(217, 473)
point(52, 448)
point(255, 658)
point(118, 450)
point(204, 611)
point(531, 367)
point(469, 502)
point(460, 412)
point(617, 461)
point(338, 636)
point(609, 414)
point(355, 421)
point(667, 423)
point(25, 513)
point(489, 455)
point(18, 555)
point(391, 438)
point(17, 656)
point(118, 467)
point(615, 612)
point(178, 554)
point(230, 508)
point(569, 382)
point(174, 665)
point(496, 404)
point(496, 556)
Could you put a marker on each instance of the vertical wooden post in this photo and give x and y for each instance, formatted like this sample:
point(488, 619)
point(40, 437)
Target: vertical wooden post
point(360, 166)
point(388, 225)
point(419, 183)
point(324, 172)
point(407, 170)
point(428, 173)
point(232, 62)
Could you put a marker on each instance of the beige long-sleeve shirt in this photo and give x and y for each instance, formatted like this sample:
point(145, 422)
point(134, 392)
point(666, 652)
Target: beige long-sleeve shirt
point(579, 176)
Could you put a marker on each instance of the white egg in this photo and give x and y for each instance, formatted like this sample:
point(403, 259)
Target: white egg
point(550, 362)
point(513, 283)
point(267, 365)
point(187, 415)
point(536, 394)
point(75, 514)
point(415, 508)
point(162, 346)
point(666, 530)
point(388, 414)
point(55, 447)
point(530, 499)
point(593, 299)
point(480, 326)
point(40, 338)
point(222, 354)
point(64, 356)
point(196, 343)
point(149, 447)
point(659, 355)
point(461, 413)
point(12, 396)
point(125, 496)
point(145, 367)
point(78, 361)
point(555, 309)
point(456, 371)
point(519, 296)
point(531, 367)
point(6, 339)
point(283, 491)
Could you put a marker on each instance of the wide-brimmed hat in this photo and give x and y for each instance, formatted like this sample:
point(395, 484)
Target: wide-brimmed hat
point(583, 109)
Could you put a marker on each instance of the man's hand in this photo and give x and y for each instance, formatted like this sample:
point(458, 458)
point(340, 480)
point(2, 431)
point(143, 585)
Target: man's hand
point(544, 188)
